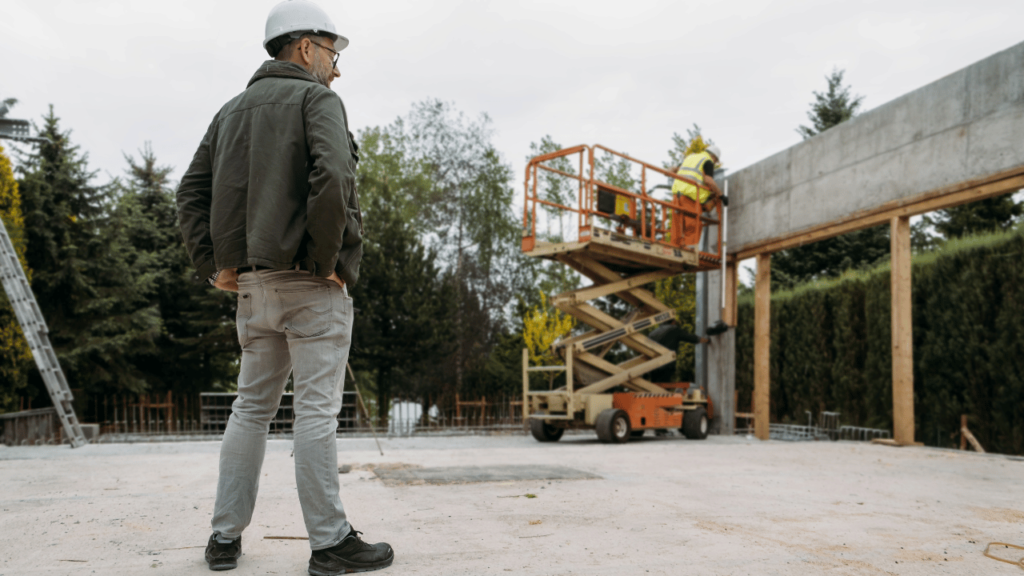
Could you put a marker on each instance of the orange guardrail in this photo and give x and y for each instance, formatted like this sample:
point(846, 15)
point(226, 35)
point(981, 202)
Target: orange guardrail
point(639, 214)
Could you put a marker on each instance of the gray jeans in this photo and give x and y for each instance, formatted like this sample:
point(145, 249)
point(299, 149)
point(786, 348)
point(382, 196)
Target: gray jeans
point(288, 322)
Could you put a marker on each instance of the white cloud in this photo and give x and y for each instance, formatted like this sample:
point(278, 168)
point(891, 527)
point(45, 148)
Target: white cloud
point(626, 75)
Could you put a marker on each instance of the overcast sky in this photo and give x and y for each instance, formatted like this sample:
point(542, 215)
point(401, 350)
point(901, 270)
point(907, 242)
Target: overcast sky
point(623, 74)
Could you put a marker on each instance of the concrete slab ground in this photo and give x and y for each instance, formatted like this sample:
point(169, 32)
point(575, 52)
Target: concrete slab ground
point(724, 506)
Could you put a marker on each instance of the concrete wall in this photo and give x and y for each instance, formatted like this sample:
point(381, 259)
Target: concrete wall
point(965, 126)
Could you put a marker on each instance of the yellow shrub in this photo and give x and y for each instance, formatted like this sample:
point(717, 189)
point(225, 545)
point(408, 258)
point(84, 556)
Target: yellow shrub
point(15, 357)
point(543, 325)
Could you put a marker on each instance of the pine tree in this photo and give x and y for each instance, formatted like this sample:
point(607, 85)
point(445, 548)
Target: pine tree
point(196, 348)
point(15, 357)
point(92, 300)
point(831, 257)
point(991, 214)
point(832, 107)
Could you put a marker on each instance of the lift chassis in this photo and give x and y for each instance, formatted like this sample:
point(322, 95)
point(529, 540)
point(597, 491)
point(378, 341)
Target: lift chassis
point(626, 241)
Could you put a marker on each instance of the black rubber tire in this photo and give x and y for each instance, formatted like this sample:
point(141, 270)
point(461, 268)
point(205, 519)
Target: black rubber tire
point(637, 433)
point(695, 424)
point(613, 426)
point(544, 432)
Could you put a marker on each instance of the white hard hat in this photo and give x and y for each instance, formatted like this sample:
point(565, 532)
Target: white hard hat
point(301, 16)
point(714, 151)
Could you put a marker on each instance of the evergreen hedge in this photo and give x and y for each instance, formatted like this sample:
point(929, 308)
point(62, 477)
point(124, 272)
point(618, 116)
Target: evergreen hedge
point(830, 347)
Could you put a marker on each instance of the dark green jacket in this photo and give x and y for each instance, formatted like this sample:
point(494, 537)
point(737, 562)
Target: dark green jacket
point(273, 181)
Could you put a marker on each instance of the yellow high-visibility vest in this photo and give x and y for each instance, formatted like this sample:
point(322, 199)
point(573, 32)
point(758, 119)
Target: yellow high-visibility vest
point(691, 169)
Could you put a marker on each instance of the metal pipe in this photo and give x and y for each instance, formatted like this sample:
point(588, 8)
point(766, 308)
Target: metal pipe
point(559, 172)
point(725, 238)
point(359, 398)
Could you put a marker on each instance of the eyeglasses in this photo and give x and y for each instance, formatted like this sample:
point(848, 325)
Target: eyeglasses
point(334, 63)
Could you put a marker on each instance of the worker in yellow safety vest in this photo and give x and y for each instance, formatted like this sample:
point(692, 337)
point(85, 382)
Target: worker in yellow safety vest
point(698, 167)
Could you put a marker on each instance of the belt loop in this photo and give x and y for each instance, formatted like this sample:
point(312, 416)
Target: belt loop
point(296, 267)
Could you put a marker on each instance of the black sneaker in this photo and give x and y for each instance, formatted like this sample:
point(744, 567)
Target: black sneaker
point(351, 555)
point(223, 556)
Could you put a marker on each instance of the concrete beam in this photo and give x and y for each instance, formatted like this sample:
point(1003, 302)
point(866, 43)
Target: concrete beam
point(962, 128)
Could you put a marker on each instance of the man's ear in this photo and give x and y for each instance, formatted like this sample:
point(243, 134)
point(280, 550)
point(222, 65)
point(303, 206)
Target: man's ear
point(306, 51)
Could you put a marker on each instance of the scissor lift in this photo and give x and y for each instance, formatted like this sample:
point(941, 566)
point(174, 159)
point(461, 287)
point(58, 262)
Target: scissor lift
point(626, 240)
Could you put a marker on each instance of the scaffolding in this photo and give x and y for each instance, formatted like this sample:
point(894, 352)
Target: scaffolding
point(623, 240)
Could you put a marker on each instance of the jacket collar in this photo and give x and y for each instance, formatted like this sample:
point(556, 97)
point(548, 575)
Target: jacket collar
point(279, 69)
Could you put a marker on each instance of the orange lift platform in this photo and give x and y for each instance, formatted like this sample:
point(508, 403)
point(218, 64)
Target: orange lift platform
point(624, 241)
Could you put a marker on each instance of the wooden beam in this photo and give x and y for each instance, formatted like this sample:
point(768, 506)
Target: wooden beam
point(963, 193)
point(902, 334)
point(762, 344)
point(729, 306)
point(966, 436)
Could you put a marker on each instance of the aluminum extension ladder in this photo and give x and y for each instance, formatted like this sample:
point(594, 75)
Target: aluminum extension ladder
point(34, 326)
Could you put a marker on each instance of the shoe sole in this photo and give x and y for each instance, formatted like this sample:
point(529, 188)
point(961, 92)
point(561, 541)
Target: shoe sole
point(351, 569)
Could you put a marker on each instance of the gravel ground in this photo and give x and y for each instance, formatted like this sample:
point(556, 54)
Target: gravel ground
point(724, 506)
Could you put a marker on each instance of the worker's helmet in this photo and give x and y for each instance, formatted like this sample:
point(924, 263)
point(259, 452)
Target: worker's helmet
point(291, 19)
point(714, 151)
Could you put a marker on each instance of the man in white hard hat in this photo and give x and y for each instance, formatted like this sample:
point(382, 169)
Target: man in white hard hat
point(268, 209)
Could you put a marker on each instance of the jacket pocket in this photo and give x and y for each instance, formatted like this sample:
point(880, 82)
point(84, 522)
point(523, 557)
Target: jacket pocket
point(353, 146)
point(353, 228)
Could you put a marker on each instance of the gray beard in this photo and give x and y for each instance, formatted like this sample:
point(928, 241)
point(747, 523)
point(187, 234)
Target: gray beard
point(321, 71)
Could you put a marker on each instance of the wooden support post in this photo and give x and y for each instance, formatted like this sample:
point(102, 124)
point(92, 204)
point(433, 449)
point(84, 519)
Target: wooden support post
point(729, 306)
point(762, 342)
point(902, 334)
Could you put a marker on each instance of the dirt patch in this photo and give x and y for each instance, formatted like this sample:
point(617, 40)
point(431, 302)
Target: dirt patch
point(386, 466)
point(476, 474)
point(1000, 514)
